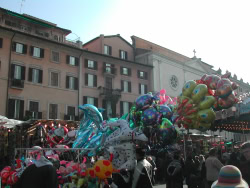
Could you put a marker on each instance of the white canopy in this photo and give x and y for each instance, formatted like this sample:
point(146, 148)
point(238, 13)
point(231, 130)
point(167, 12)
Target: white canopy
point(8, 123)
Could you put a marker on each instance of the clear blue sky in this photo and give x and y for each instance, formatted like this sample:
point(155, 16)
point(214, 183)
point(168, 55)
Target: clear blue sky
point(218, 30)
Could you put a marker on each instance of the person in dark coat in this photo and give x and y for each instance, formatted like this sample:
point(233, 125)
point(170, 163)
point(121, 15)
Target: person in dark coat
point(175, 173)
point(41, 174)
point(245, 162)
point(143, 171)
point(233, 160)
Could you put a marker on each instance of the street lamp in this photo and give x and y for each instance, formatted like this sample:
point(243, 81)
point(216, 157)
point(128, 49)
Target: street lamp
point(182, 129)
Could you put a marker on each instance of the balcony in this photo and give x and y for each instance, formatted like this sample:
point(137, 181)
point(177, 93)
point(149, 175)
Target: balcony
point(16, 83)
point(109, 70)
point(110, 93)
point(71, 117)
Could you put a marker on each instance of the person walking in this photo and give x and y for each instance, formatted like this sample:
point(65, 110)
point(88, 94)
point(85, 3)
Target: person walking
point(245, 161)
point(213, 166)
point(143, 171)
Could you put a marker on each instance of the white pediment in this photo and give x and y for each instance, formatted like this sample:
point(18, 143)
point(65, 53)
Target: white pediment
point(196, 65)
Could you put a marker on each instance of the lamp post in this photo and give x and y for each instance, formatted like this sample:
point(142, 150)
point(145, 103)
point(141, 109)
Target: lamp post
point(182, 129)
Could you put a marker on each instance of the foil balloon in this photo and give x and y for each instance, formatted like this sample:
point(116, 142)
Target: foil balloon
point(149, 116)
point(144, 101)
point(103, 169)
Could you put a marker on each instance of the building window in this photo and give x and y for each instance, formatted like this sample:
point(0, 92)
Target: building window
point(72, 60)
point(71, 112)
point(90, 64)
point(123, 54)
point(17, 74)
point(34, 106)
point(174, 82)
point(143, 89)
point(107, 50)
point(125, 71)
point(142, 75)
point(90, 100)
point(15, 109)
point(53, 110)
point(35, 75)
point(55, 56)
point(90, 80)
point(19, 48)
point(108, 68)
point(125, 107)
point(126, 86)
point(54, 79)
point(36, 52)
point(71, 82)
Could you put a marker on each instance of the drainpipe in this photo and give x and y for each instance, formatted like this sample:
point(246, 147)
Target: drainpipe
point(79, 82)
point(8, 80)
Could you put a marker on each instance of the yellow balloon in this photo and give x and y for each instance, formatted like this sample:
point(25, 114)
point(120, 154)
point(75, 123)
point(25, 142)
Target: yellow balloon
point(103, 169)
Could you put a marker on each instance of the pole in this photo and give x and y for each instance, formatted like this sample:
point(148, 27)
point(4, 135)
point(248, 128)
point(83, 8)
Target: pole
point(184, 144)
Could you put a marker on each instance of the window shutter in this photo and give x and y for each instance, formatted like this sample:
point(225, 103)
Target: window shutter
point(121, 108)
point(67, 59)
point(129, 71)
point(67, 82)
point(21, 110)
point(40, 79)
point(14, 46)
point(84, 100)
point(96, 102)
point(126, 55)
point(28, 114)
point(31, 50)
point(129, 87)
point(138, 74)
point(95, 81)
point(112, 69)
point(66, 117)
point(86, 63)
point(22, 73)
point(30, 75)
point(12, 70)
point(41, 53)
point(146, 89)
point(76, 84)
point(122, 85)
point(95, 65)
point(121, 70)
point(40, 115)
point(86, 79)
point(110, 50)
point(24, 49)
point(1, 42)
point(139, 88)
point(120, 53)
point(76, 61)
point(146, 75)
point(11, 108)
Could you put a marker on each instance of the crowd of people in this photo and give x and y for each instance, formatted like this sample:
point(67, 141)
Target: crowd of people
point(199, 171)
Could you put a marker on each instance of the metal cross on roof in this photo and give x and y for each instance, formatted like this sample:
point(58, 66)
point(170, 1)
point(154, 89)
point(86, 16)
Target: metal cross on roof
point(194, 52)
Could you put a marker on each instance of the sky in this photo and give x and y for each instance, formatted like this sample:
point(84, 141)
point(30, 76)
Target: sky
point(218, 30)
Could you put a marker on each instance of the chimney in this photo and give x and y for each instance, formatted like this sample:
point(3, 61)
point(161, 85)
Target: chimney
point(101, 43)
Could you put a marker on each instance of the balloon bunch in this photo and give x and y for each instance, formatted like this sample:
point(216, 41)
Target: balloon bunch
point(222, 89)
point(9, 176)
point(164, 99)
point(56, 135)
point(149, 112)
point(194, 107)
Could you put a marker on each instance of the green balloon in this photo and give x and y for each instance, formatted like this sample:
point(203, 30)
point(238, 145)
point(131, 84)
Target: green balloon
point(188, 88)
point(208, 102)
point(199, 93)
point(206, 116)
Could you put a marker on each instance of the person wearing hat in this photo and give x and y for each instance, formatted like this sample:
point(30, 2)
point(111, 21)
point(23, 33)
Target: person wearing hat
point(230, 177)
point(213, 166)
point(143, 171)
point(245, 161)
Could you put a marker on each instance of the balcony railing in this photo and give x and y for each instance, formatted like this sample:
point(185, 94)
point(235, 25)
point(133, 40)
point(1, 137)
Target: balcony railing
point(33, 115)
point(110, 70)
point(109, 93)
point(17, 83)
